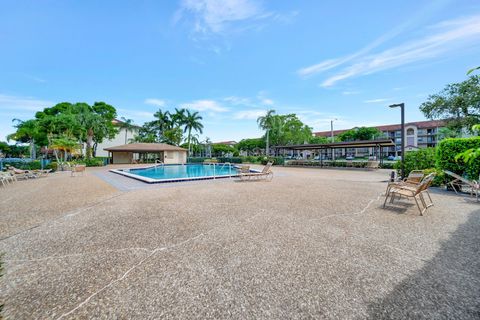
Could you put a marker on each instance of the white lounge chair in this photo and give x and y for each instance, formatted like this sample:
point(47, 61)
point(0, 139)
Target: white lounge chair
point(459, 182)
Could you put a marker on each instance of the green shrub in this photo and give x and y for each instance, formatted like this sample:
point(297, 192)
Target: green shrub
point(53, 165)
point(274, 160)
point(417, 160)
point(94, 162)
point(439, 176)
point(31, 165)
point(196, 159)
point(388, 165)
point(447, 150)
point(250, 159)
point(230, 159)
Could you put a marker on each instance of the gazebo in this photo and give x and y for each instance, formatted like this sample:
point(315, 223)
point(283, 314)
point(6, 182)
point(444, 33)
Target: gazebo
point(147, 152)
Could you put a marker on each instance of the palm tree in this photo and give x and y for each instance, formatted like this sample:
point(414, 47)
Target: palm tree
point(126, 124)
point(266, 123)
point(65, 144)
point(192, 122)
point(164, 122)
point(178, 118)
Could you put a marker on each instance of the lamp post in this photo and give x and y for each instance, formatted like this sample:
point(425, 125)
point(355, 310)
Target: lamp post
point(331, 136)
point(402, 148)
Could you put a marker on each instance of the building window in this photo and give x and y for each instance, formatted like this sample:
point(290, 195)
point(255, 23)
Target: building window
point(410, 132)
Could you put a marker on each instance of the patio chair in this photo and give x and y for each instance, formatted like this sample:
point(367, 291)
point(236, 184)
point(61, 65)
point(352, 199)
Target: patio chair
point(372, 164)
point(415, 192)
point(414, 178)
point(266, 174)
point(21, 174)
point(459, 182)
point(244, 169)
point(78, 169)
point(4, 179)
point(8, 177)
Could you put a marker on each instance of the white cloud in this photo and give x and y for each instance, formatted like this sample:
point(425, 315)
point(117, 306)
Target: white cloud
point(249, 114)
point(322, 66)
point(238, 100)
point(134, 113)
point(267, 101)
point(219, 16)
point(36, 79)
point(214, 15)
point(349, 93)
point(377, 100)
point(155, 102)
point(205, 105)
point(261, 96)
point(445, 37)
point(16, 103)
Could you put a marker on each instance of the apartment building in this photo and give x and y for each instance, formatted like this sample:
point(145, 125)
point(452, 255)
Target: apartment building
point(419, 134)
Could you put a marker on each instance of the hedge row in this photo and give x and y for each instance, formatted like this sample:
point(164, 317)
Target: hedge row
point(248, 159)
point(447, 150)
point(418, 160)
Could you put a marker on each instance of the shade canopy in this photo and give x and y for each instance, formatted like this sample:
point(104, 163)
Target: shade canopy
point(343, 144)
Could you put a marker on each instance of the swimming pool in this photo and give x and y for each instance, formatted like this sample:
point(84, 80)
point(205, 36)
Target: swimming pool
point(179, 172)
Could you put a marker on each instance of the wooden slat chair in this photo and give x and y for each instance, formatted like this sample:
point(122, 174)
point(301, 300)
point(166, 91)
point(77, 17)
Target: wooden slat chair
point(78, 169)
point(415, 192)
point(414, 178)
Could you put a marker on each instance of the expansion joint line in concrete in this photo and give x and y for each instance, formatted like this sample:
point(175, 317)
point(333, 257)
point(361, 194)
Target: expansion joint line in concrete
point(78, 255)
point(351, 213)
point(66, 215)
point(125, 274)
point(152, 252)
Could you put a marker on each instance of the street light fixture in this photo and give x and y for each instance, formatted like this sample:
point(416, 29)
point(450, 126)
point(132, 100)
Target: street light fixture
point(331, 136)
point(402, 148)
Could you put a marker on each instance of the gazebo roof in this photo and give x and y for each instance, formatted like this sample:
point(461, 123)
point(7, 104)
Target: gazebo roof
point(145, 147)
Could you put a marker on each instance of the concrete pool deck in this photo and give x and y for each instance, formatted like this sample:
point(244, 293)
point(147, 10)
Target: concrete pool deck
point(311, 243)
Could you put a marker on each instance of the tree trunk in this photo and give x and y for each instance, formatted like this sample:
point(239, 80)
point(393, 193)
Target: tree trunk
point(33, 154)
point(126, 132)
point(267, 145)
point(189, 135)
point(89, 143)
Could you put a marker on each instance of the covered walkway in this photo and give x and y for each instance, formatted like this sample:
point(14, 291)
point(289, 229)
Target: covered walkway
point(324, 154)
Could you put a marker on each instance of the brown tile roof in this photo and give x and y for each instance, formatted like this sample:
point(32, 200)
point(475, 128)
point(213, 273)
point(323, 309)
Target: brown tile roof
point(391, 127)
point(145, 147)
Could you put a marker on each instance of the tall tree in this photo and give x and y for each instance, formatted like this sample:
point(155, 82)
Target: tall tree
point(163, 122)
point(362, 133)
point(267, 123)
point(128, 125)
point(173, 136)
point(458, 104)
point(27, 132)
point(178, 118)
point(191, 122)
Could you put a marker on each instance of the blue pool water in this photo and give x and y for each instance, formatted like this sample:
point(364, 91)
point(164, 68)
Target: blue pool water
point(188, 171)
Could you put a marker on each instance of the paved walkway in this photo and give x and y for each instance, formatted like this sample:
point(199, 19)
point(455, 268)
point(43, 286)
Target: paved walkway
point(310, 244)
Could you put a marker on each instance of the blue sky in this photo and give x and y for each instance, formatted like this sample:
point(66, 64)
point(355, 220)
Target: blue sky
point(233, 59)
